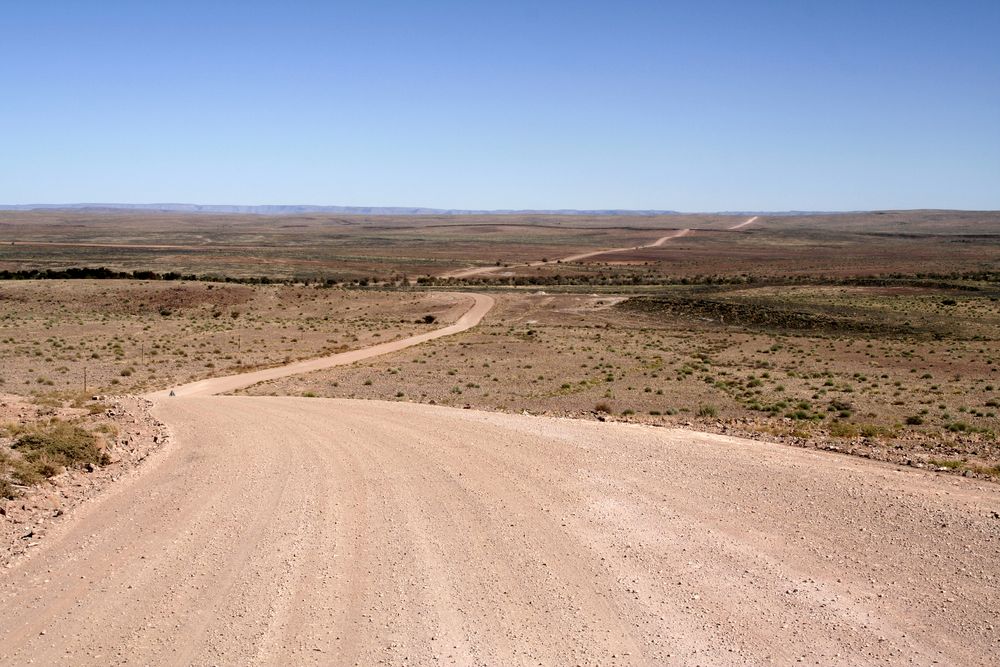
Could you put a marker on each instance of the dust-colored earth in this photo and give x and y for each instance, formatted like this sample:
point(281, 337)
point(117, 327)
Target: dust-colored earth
point(319, 531)
point(280, 530)
point(324, 531)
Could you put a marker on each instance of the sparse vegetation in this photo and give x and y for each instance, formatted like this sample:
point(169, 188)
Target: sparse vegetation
point(708, 411)
point(41, 451)
point(789, 345)
point(60, 335)
point(850, 390)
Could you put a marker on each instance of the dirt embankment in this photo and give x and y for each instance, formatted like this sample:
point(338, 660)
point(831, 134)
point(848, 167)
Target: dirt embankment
point(127, 434)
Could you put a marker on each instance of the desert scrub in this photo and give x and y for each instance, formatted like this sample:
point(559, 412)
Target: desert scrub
point(15, 471)
point(49, 448)
point(946, 463)
point(843, 430)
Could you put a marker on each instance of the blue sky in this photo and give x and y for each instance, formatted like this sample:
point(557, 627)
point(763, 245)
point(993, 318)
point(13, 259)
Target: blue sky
point(695, 106)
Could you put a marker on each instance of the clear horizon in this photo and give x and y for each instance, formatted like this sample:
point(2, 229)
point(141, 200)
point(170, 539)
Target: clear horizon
point(777, 106)
point(665, 211)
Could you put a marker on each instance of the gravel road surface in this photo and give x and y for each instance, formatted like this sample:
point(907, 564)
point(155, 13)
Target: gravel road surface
point(334, 532)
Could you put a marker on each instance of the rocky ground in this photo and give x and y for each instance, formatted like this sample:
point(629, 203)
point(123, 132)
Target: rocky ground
point(130, 435)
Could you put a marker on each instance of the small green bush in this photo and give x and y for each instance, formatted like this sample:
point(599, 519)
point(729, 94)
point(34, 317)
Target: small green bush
point(58, 445)
point(843, 430)
point(870, 430)
point(946, 463)
point(44, 451)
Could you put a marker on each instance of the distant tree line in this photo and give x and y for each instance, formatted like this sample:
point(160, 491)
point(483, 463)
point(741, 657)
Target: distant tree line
point(952, 280)
point(104, 273)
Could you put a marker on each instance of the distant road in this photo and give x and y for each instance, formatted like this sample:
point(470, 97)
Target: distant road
point(745, 223)
point(466, 273)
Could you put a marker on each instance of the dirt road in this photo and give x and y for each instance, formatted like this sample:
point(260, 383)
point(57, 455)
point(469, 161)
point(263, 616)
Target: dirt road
point(744, 223)
point(482, 270)
point(337, 532)
point(478, 271)
point(480, 305)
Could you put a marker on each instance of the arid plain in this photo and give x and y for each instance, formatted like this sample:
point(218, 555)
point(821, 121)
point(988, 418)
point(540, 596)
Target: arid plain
point(712, 347)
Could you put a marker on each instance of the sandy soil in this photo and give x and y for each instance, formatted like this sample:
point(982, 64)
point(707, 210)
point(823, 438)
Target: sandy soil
point(314, 531)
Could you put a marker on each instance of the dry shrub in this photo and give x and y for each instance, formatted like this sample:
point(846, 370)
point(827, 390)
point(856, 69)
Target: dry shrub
point(47, 449)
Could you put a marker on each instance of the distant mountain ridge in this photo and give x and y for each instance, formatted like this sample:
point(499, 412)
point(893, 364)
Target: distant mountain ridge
point(305, 208)
point(297, 209)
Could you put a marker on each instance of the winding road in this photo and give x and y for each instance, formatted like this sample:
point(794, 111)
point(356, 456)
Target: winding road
point(481, 304)
point(481, 270)
point(299, 531)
